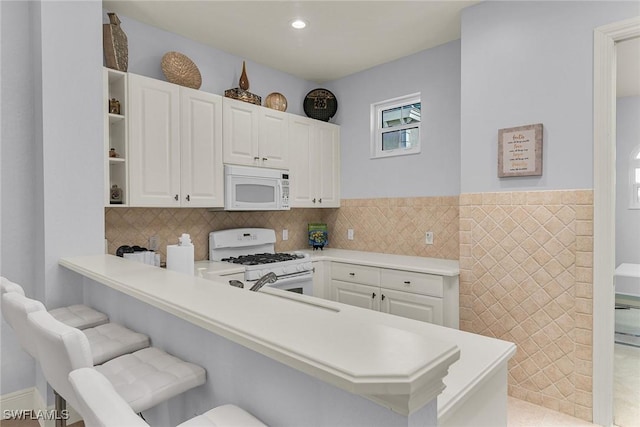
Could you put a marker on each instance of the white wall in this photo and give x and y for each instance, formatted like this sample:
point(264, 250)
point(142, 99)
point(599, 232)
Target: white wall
point(53, 159)
point(17, 178)
point(435, 73)
point(73, 146)
point(627, 141)
point(524, 63)
point(219, 70)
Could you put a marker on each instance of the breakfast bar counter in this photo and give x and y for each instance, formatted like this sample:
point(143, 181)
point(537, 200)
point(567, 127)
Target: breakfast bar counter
point(397, 363)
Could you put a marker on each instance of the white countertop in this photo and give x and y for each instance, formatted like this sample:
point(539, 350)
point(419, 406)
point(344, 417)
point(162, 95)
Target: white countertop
point(391, 364)
point(442, 267)
point(628, 270)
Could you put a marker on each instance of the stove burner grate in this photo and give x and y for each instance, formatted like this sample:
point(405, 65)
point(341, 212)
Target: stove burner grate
point(265, 258)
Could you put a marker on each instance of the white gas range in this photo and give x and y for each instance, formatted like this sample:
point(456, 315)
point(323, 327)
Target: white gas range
point(254, 248)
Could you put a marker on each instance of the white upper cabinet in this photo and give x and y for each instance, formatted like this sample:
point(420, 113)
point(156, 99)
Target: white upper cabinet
point(175, 145)
point(202, 174)
point(255, 135)
point(315, 172)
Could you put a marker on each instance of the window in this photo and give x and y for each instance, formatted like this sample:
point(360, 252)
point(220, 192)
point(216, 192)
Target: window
point(634, 179)
point(395, 126)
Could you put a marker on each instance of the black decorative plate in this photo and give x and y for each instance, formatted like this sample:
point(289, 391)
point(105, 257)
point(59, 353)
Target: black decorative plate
point(320, 104)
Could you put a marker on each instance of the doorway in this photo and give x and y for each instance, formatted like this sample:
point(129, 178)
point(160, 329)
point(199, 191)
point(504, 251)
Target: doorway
point(605, 39)
point(626, 369)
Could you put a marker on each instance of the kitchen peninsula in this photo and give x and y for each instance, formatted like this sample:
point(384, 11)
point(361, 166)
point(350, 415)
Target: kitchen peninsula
point(323, 349)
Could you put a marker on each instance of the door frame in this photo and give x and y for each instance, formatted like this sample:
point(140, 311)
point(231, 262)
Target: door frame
point(604, 169)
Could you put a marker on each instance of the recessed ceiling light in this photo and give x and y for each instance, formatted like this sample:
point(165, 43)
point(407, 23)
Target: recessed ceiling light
point(298, 24)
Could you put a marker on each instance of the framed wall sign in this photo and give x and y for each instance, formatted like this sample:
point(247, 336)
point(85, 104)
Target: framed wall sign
point(520, 151)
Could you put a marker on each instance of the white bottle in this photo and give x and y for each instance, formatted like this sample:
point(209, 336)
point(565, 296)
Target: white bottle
point(180, 256)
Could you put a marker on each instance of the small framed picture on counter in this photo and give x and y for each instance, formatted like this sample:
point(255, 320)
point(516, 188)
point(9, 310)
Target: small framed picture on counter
point(520, 151)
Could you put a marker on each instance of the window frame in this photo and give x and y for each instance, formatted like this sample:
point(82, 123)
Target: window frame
point(377, 130)
point(634, 187)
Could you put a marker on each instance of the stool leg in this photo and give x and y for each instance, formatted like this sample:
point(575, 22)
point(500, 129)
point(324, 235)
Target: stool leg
point(61, 405)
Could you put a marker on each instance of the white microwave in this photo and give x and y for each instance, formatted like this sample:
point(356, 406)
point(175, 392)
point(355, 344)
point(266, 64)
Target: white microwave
point(249, 188)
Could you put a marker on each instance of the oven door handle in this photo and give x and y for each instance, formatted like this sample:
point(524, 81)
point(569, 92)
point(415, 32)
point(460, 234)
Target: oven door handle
point(296, 275)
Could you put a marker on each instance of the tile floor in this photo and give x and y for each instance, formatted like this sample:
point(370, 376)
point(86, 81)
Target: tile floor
point(525, 414)
point(626, 386)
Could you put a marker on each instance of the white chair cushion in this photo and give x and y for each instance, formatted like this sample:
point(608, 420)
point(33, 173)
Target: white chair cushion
point(15, 309)
point(112, 340)
point(61, 349)
point(7, 285)
point(150, 376)
point(224, 416)
point(79, 316)
point(100, 404)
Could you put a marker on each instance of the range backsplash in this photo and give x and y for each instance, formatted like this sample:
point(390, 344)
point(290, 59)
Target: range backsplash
point(395, 225)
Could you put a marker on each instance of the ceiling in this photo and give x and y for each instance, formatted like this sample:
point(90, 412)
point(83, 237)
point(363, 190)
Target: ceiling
point(342, 37)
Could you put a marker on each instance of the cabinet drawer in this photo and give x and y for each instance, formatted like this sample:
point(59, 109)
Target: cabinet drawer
point(355, 273)
point(408, 281)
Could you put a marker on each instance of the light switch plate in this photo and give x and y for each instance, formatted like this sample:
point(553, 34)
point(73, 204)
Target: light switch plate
point(285, 234)
point(350, 234)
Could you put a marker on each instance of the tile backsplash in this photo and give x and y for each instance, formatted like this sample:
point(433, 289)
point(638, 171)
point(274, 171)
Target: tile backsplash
point(395, 226)
point(134, 226)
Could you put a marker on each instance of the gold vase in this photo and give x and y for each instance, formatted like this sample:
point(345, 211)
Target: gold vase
point(244, 80)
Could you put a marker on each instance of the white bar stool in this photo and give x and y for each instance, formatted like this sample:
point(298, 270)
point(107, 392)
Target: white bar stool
point(100, 405)
point(144, 378)
point(78, 315)
point(106, 341)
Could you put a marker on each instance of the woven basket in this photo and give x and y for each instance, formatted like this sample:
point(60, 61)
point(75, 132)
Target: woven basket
point(179, 69)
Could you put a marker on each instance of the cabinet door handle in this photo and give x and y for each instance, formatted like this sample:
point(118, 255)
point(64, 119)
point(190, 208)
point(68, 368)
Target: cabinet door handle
point(188, 198)
point(407, 282)
point(264, 159)
point(256, 158)
point(382, 297)
point(314, 200)
point(320, 200)
point(352, 274)
point(176, 197)
point(373, 295)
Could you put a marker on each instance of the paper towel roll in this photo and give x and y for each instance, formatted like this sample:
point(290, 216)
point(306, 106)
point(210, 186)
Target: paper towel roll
point(180, 259)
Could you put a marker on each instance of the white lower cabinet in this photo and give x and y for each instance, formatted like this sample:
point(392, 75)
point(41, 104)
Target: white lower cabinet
point(175, 145)
point(417, 296)
point(413, 306)
point(364, 296)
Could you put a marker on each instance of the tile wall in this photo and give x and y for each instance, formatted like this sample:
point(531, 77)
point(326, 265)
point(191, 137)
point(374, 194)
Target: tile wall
point(526, 262)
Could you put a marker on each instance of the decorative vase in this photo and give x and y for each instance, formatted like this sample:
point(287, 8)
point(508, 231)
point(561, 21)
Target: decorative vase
point(114, 41)
point(244, 80)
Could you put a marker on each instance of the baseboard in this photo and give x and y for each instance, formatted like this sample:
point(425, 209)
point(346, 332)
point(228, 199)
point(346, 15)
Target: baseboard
point(16, 401)
point(30, 399)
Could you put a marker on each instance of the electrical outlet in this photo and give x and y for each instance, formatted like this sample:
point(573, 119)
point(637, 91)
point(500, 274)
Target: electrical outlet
point(153, 243)
point(428, 237)
point(285, 234)
point(350, 234)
